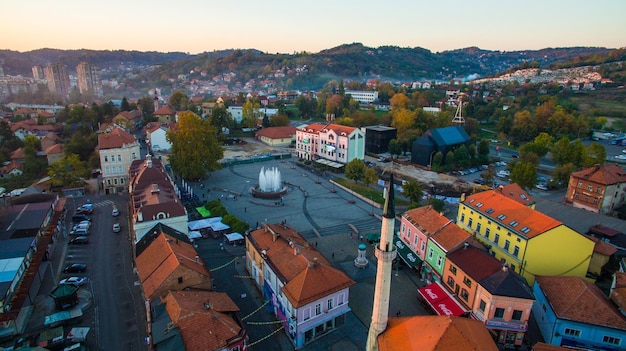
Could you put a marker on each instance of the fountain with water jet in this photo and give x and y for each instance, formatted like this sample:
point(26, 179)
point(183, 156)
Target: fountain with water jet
point(270, 184)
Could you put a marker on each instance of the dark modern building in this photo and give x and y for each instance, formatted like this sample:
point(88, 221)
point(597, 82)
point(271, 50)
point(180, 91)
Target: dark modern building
point(377, 138)
point(437, 140)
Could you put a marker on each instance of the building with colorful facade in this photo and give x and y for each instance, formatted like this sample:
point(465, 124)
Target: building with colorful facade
point(599, 189)
point(330, 142)
point(490, 292)
point(306, 293)
point(576, 314)
point(527, 241)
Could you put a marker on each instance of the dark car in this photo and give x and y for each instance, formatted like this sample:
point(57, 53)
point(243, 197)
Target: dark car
point(79, 240)
point(79, 217)
point(75, 268)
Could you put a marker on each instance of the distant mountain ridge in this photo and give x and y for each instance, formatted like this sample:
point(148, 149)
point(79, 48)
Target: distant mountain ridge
point(349, 61)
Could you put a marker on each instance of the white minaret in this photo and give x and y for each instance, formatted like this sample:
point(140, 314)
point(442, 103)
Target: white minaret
point(385, 253)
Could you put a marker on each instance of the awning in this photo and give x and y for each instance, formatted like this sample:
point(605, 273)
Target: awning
point(440, 300)
point(408, 256)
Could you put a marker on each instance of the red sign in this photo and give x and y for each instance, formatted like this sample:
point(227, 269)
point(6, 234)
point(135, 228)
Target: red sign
point(440, 300)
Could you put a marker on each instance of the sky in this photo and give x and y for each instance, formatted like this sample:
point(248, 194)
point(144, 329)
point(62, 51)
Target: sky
point(281, 26)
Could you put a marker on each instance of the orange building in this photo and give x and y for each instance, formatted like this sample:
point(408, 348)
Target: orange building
point(598, 189)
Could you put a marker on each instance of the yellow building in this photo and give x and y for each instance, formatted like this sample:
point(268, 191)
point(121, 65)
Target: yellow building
point(529, 242)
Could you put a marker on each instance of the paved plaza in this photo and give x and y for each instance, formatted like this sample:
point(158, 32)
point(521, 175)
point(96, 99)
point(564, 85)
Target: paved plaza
point(324, 214)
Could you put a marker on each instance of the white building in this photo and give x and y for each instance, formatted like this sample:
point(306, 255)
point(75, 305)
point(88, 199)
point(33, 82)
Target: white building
point(117, 150)
point(332, 142)
point(363, 96)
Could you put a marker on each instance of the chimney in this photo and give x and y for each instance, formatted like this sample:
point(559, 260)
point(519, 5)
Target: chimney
point(197, 259)
point(465, 246)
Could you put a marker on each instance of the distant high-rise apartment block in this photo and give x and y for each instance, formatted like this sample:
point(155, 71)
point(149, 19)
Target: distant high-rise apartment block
point(88, 79)
point(38, 72)
point(58, 79)
point(1, 67)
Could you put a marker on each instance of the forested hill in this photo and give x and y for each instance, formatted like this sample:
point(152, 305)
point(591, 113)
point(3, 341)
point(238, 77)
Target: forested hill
point(350, 61)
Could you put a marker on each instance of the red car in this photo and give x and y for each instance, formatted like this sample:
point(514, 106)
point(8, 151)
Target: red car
point(84, 210)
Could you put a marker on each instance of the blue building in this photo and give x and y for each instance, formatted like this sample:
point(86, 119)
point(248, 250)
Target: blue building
point(572, 312)
point(437, 140)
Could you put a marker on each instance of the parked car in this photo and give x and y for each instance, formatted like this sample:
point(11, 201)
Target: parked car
point(79, 232)
point(541, 186)
point(84, 210)
point(79, 240)
point(82, 225)
point(78, 281)
point(116, 227)
point(75, 268)
point(79, 217)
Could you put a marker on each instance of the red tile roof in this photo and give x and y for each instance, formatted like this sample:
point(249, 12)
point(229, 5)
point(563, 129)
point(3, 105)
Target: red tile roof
point(164, 110)
point(435, 333)
point(512, 211)
point(54, 149)
point(602, 174)
point(618, 293)
point(601, 246)
point(18, 154)
point(115, 139)
point(203, 319)
point(337, 128)
point(475, 262)
point(162, 257)
point(307, 275)
point(578, 300)
point(426, 219)
point(515, 192)
point(282, 132)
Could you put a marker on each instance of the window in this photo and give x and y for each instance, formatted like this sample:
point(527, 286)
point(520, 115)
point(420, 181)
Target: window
point(611, 340)
point(340, 300)
point(462, 217)
point(329, 304)
point(430, 253)
point(453, 269)
point(482, 306)
point(450, 282)
point(318, 309)
point(580, 185)
point(487, 232)
point(589, 187)
point(108, 181)
point(506, 245)
point(119, 158)
point(134, 156)
point(499, 313)
point(403, 227)
point(516, 251)
point(572, 332)
point(307, 314)
point(496, 239)
point(470, 223)
point(408, 235)
point(464, 294)
point(106, 158)
point(415, 239)
point(439, 261)
point(478, 227)
point(517, 315)
point(423, 247)
point(180, 280)
point(467, 282)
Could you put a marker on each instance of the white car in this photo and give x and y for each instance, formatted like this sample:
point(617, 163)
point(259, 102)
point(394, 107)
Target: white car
point(621, 157)
point(78, 281)
point(116, 227)
point(115, 212)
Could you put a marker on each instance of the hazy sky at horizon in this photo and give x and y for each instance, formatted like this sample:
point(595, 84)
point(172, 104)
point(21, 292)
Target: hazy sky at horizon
point(273, 26)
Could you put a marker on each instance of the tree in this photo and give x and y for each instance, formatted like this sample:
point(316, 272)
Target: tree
point(220, 119)
point(195, 149)
point(68, 171)
point(279, 120)
point(595, 155)
point(394, 147)
point(178, 101)
point(250, 114)
point(370, 177)
point(402, 120)
point(489, 174)
point(412, 190)
point(355, 170)
point(125, 105)
point(524, 174)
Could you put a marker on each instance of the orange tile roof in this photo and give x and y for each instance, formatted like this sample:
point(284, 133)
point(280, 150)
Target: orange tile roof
point(435, 333)
point(115, 139)
point(602, 174)
point(450, 237)
point(526, 217)
point(517, 193)
point(203, 328)
point(426, 219)
point(18, 153)
point(277, 132)
point(164, 255)
point(308, 276)
point(54, 149)
point(578, 300)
